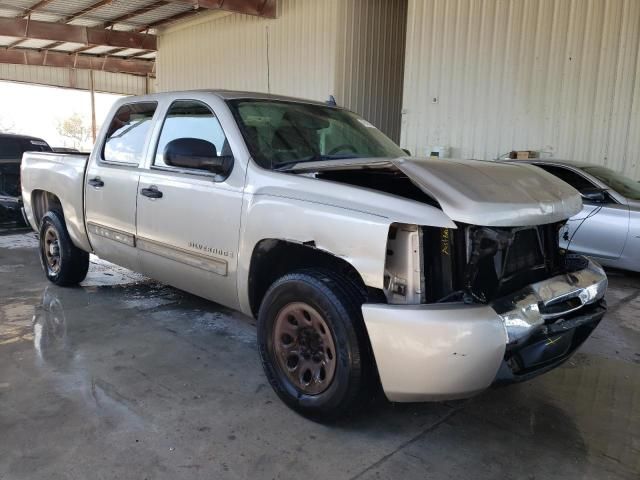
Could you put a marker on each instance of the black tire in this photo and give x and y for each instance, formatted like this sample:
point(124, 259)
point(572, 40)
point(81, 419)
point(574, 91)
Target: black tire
point(72, 264)
point(338, 300)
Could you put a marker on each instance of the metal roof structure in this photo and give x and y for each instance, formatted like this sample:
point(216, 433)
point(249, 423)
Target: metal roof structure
point(116, 36)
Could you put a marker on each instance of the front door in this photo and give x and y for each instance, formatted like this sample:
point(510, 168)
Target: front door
point(188, 219)
point(112, 185)
point(599, 230)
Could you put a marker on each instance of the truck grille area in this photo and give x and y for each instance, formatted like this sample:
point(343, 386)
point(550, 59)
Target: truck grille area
point(478, 264)
point(524, 252)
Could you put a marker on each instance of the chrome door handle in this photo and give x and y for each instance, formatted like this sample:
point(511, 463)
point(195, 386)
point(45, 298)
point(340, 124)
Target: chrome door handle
point(151, 192)
point(96, 182)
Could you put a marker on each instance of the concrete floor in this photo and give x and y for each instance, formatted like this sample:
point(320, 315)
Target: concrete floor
point(126, 378)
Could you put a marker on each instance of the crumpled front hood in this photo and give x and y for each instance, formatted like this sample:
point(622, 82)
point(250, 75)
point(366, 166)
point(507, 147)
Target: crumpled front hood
point(492, 193)
point(477, 192)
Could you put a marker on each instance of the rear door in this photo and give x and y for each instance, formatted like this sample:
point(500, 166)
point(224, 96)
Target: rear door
point(188, 219)
point(601, 228)
point(112, 184)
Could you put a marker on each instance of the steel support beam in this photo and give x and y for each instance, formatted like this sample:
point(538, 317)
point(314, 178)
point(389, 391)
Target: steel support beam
point(135, 13)
point(84, 11)
point(88, 62)
point(262, 8)
point(168, 20)
point(16, 27)
point(38, 6)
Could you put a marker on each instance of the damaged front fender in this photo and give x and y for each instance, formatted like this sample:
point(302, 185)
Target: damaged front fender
point(348, 223)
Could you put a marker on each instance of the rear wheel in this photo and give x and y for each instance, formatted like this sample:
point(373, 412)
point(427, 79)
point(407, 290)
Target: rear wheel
point(63, 263)
point(313, 343)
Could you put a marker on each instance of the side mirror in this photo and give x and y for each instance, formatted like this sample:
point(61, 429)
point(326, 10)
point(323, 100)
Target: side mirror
point(198, 154)
point(407, 151)
point(595, 195)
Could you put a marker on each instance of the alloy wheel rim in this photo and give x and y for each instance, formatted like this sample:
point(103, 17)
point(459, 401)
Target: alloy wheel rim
point(51, 248)
point(304, 348)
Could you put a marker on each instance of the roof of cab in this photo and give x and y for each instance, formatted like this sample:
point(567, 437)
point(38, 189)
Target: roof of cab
point(235, 95)
point(226, 95)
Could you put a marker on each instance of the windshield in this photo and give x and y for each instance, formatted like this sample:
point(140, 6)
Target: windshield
point(616, 181)
point(280, 134)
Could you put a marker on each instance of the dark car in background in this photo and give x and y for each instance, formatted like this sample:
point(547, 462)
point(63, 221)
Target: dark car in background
point(11, 149)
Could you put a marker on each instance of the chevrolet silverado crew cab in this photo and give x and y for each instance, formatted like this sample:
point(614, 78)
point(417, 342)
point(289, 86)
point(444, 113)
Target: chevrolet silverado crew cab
point(432, 278)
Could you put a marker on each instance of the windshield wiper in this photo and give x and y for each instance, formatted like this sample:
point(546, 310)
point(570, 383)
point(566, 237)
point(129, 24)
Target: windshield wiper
point(314, 158)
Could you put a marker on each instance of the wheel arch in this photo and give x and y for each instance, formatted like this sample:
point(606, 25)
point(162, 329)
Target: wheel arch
point(272, 258)
point(350, 238)
point(43, 201)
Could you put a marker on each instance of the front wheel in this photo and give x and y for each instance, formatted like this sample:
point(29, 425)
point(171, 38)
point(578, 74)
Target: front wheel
point(63, 263)
point(313, 343)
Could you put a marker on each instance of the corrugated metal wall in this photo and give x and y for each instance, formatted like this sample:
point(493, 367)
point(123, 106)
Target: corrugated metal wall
point(69, 78)
point(302, 45)
point(488, 76)
point(353, 49)
point(290, 55)
point(370, 60)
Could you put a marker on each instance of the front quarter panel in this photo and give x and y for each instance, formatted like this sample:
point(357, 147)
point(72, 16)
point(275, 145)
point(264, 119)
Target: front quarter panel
point(360, 239)
point(347, 222)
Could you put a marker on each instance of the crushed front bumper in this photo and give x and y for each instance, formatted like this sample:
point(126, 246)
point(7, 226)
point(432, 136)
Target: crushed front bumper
point(454, 350)
point(549, 347)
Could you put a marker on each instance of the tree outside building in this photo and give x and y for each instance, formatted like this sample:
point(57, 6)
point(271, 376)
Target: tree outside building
point(77, 129)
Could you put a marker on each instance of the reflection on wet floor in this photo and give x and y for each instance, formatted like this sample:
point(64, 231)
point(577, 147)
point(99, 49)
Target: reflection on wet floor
point(133, 379)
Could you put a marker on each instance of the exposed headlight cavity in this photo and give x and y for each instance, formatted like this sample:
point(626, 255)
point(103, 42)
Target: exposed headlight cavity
point(404, 266)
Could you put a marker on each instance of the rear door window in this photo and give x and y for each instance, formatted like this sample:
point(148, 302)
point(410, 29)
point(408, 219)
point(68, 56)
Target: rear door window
point(128, 133)
point(574, 179)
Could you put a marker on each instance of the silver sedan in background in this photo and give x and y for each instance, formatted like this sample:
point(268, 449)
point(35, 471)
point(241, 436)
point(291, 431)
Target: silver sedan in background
point(608, 227)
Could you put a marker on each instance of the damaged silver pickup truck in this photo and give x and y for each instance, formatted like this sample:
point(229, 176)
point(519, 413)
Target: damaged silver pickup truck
point(432, 278)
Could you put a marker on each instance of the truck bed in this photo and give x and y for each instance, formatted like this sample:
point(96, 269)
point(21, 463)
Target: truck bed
point(62, 175)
